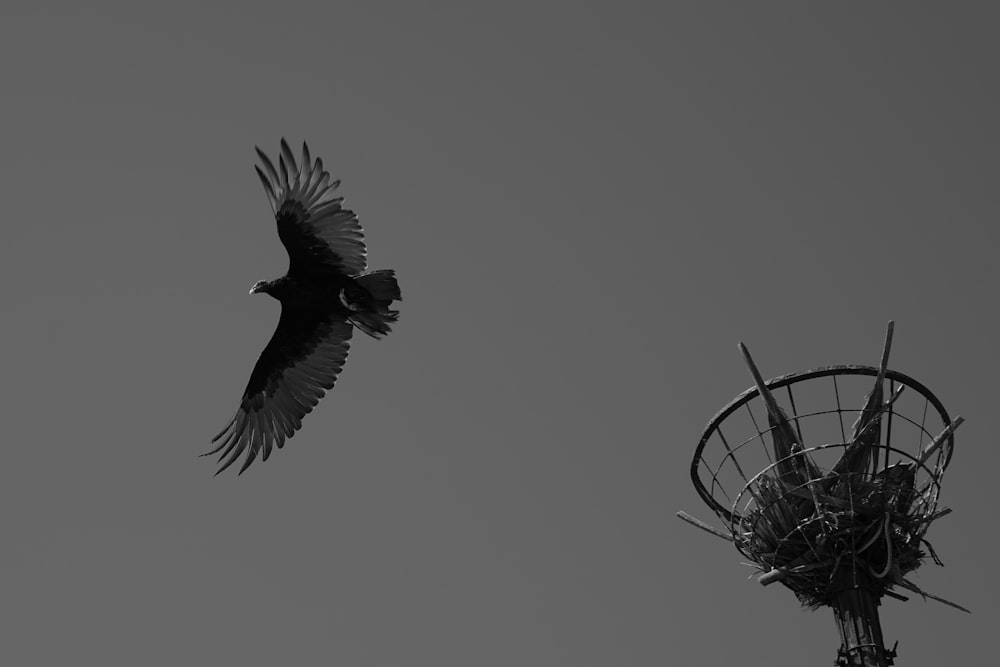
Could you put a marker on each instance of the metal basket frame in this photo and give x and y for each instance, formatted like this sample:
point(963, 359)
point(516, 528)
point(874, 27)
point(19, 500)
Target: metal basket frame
point(731, 515)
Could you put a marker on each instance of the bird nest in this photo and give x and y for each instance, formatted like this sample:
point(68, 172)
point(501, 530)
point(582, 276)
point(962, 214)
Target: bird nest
point(833, 506)
point(836, 530)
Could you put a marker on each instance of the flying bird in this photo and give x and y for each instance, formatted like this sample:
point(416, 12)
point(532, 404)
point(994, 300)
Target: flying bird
point(326, 294)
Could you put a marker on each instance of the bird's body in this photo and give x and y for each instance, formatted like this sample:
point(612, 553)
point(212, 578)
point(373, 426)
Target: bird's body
point(314, 292)
point(326, 293)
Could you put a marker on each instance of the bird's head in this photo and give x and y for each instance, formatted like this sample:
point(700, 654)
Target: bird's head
point(261, 286)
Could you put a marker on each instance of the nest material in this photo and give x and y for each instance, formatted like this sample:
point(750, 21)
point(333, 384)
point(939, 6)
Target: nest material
point(844, 529)
point(857, 526)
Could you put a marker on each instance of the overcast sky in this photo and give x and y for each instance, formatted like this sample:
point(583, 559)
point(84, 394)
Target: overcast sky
point(587, 207)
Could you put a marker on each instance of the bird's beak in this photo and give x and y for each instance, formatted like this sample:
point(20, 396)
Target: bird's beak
point(254, 289)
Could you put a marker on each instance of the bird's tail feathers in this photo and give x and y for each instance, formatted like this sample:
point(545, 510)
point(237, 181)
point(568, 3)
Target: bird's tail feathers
point(370, 310)
point(381, 285)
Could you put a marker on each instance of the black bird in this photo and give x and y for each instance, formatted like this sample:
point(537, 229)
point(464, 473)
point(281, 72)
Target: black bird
point(326, 293)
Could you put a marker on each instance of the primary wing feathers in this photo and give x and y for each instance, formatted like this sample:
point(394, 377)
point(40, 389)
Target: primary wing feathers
point(267, 187)
point(312, 223)
point(296, 369)
point(306, 163)
point(266, 161)
point(289, 160)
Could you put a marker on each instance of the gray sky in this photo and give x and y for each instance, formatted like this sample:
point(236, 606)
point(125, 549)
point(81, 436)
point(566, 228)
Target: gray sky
point(587, 209)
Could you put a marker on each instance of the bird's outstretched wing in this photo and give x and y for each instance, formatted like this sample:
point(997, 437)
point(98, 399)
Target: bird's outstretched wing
point(295, 370)
point(315, 228)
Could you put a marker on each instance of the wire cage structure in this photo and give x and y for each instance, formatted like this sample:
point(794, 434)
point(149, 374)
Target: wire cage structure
point(827, 480)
